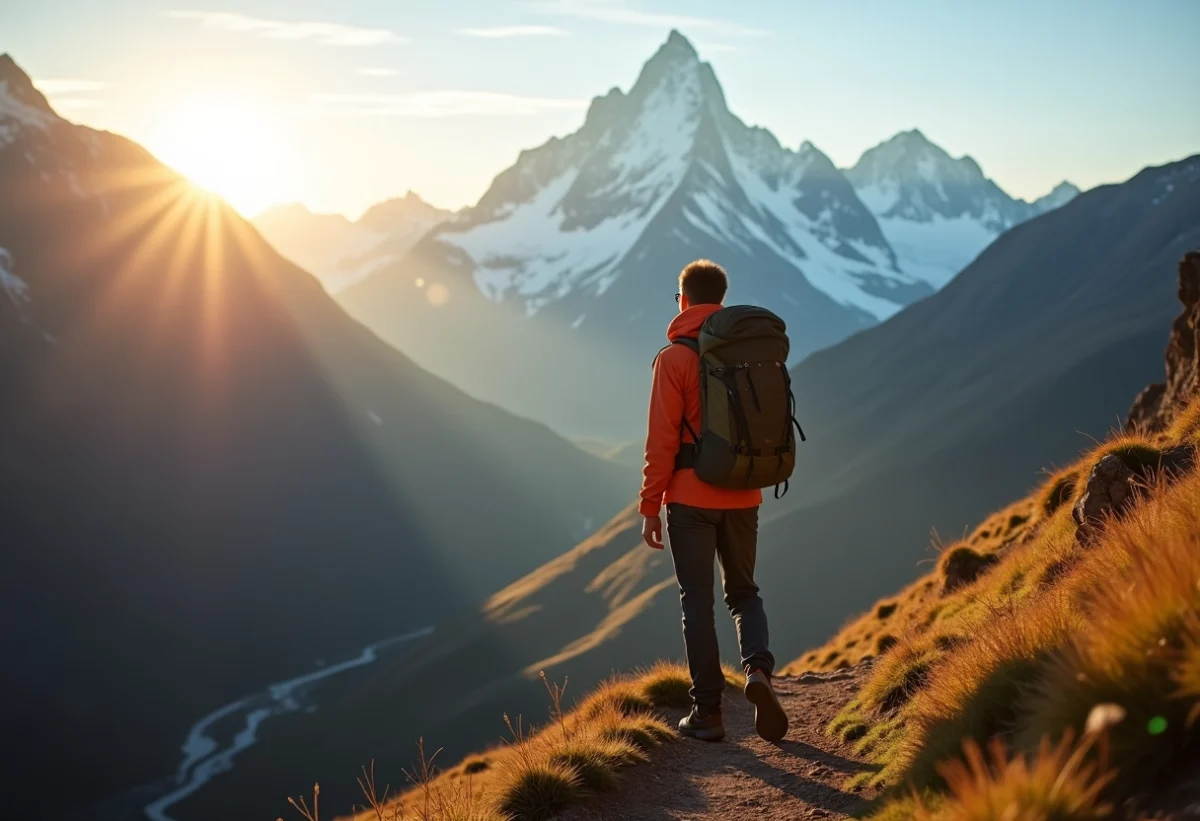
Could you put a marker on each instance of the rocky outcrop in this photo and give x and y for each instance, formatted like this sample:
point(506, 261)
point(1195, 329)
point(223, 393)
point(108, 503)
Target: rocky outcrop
point(1114, 484)
point(1156, 406)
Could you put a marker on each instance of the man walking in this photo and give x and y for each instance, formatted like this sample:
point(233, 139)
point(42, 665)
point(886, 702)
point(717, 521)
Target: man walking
point(705, 521)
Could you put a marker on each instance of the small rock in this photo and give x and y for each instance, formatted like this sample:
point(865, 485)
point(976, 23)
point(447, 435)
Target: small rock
point(1109, 490)
point(1112, 488)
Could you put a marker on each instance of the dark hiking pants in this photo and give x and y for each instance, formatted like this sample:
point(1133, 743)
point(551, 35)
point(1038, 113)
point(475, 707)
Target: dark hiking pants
point(697, 535)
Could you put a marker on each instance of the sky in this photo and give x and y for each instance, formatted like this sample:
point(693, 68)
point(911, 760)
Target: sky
point(341, 104)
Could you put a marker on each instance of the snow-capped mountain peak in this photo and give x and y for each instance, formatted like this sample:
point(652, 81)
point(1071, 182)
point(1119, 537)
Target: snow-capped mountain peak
point(669, 155)
point(1059, 196)
point(938, 212)
point(21, 105)
point(909, 177)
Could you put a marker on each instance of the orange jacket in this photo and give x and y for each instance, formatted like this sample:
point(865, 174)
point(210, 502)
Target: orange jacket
point(676, 391)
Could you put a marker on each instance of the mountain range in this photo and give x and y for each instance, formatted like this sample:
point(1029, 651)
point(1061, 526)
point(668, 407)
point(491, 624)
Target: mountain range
point(215, 479)
point(917, 427)
point(212, 478)
point(938, 212)
point(581, 240)
point(340, 252)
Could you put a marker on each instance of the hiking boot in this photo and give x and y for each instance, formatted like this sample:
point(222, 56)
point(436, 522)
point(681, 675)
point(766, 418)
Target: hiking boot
point(704, 723)
point(770, 721)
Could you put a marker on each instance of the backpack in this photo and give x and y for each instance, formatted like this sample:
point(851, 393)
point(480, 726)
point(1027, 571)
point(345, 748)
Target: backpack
point(747, 409)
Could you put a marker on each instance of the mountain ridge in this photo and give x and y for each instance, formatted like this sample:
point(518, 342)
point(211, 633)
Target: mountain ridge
point(580, 241)
point(341, 251)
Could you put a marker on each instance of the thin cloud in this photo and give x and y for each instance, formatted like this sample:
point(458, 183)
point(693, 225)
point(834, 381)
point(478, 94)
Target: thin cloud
point(324, 33)
point(68, 86)
point(379, 72)
point(436, 104)
point(618, 11)
point(505, 32)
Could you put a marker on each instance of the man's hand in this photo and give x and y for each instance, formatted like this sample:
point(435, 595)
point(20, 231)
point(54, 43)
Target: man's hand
point(652, 532)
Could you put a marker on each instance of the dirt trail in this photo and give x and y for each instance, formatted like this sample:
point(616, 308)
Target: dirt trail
point(745, 777)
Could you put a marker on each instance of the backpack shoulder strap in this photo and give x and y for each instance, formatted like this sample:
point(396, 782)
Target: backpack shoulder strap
point(686, 341)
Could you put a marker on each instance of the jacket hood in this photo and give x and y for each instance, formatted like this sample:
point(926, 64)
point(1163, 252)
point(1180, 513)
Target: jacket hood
point(688, 323)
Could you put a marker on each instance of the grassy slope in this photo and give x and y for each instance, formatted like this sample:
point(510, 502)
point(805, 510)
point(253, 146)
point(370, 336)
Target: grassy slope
point(536, 773)
point(1018, 658)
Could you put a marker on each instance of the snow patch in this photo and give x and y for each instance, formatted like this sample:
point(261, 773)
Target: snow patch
point(935, 251)
point(16, 288)
point(823, 267)
point(524, 252)
point(15, 114)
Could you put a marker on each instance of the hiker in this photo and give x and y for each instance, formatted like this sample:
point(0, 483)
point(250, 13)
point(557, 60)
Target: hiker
point(707, 461)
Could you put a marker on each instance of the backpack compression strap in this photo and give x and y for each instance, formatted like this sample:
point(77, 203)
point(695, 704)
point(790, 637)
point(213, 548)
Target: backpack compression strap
point(686, 457)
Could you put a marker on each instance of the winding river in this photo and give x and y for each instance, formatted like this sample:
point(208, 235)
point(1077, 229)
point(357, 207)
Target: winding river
point(210, 748)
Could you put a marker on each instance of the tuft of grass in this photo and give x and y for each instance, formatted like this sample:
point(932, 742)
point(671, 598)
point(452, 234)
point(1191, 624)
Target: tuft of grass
point(736, 679)
point(474, 765)
point(898, 676)
point(962, 565)
point(1058, 490)
point(623, 696)
point(1185, 430)
point(535, 791)
point(1137, 452)
point(881, 742)
point(641, 731)
point(597, 762)
point(906, 807)
point(1057, 784)
point(1016, 520)
point(667, 685)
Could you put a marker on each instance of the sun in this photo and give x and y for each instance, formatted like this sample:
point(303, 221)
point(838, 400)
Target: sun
point(225, 144)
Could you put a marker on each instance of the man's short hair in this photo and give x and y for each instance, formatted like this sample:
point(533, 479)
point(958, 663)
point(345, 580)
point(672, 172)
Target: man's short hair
point(704, 282)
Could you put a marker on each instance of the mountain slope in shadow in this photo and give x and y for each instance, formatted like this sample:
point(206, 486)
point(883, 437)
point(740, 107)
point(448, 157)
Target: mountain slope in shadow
point(212, 477)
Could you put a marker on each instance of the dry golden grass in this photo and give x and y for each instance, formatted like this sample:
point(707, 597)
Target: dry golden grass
point(535, 774)
point(976, 691)
point(1141, 591)
point(1031, 646)
point(1186, 427)
point(1058, 490)
point(1057, 784)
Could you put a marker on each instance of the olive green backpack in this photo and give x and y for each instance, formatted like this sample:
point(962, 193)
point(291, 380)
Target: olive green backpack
point(747, 410)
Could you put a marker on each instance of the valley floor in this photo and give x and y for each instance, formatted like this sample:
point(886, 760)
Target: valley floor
point(745, 778)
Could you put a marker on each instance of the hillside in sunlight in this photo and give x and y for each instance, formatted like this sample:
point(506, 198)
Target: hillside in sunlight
point(214, 480)
point(1064, 632)
point(1046, 667)
point(922, 423)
